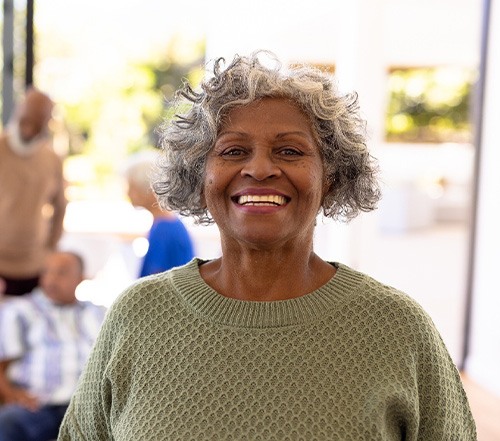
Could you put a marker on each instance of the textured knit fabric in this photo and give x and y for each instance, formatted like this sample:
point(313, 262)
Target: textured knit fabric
point(32, 206)
point(169, 246)
point(353, 360)
point(48, 343)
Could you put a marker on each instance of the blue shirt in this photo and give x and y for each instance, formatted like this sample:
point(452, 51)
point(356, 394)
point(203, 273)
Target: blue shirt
point(169, 245)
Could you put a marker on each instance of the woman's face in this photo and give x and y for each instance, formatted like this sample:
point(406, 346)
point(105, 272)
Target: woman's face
point(264, 179)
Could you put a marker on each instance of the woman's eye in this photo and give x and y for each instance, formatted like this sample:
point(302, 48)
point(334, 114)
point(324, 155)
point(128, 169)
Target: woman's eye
point(232, 151)
point(289, 151)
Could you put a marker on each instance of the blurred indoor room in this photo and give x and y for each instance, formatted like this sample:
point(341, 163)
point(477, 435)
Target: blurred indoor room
point(424, 72)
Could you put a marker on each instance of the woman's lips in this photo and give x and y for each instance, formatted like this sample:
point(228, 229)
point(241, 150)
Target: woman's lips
point(261, 200)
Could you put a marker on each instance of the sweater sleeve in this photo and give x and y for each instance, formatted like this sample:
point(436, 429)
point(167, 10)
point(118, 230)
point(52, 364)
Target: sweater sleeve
point(89, 413)
point(70, 430)
point(443, 404)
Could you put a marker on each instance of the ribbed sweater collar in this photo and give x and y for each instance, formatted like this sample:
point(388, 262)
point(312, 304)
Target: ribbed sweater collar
point(213, 306)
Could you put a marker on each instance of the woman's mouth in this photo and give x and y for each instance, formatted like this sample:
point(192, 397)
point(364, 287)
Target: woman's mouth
point(269, 200)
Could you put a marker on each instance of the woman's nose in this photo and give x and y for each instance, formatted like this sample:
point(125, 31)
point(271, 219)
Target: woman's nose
point(260, 166)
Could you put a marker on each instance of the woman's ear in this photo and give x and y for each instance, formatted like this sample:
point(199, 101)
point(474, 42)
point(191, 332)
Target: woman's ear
point(327, 186)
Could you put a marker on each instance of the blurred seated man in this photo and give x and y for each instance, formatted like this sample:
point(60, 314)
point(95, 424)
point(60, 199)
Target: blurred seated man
point(169, 241)
point(45, 338)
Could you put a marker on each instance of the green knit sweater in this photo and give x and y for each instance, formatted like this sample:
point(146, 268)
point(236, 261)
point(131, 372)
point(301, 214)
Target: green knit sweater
point(353, 360)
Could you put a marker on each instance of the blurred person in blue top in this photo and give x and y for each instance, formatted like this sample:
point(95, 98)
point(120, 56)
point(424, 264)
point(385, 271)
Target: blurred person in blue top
point(45, 339)
point(170, 244)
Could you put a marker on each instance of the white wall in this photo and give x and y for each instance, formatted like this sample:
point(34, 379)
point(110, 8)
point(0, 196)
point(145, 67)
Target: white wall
point(414, 32)
point(293, 29)
point(483, 363)
point(432, 32)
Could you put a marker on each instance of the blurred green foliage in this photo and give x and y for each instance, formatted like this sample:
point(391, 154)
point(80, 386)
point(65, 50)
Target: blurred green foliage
point(132, 105)
point(120, 115)
point(429, 104)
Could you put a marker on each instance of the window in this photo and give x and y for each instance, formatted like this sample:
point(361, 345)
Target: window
point(429, 104)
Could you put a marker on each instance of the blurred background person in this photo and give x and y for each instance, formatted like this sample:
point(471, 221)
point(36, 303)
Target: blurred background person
point(45, 338)
point(32, 201)
point(170, 244)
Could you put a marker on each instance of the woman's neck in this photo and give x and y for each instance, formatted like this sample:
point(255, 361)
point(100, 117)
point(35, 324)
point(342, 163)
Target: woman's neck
point(266, 275)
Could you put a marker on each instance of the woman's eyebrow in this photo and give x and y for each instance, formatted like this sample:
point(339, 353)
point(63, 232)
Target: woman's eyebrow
point(293, 133)
point(281, 135)
point(229, 133)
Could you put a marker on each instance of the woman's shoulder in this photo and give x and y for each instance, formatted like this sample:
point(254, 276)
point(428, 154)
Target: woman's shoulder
point(386, 302)
point(396, 319)
point(376, 288)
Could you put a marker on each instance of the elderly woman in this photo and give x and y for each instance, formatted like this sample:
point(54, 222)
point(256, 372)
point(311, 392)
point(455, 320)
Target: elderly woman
point(268, 342)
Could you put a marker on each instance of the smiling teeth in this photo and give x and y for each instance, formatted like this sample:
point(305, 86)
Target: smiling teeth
point(261, 200)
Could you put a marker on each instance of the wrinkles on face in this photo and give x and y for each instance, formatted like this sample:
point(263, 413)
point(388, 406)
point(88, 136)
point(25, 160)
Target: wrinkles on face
point(265, 150)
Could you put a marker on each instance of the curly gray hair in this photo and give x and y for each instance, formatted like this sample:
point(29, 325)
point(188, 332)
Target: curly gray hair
point(350, 170)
